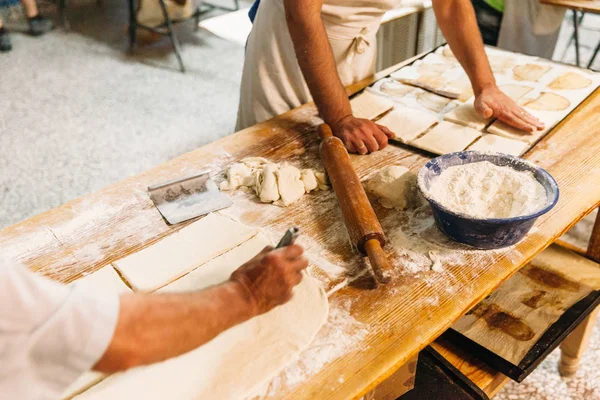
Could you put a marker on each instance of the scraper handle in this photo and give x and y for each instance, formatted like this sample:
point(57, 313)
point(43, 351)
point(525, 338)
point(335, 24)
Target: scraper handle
point(289, 237)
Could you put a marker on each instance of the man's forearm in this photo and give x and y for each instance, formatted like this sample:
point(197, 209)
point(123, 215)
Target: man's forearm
point(457, 21)
point(315, 58)
point(155, 327)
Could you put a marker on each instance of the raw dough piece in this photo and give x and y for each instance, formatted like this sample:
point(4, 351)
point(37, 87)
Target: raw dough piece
point(266, 183)
point(499, 144)
point(396, 89)
point(102, 282)
point(322, 180)
point(446, 137)
point(463, 86)
point(433, 81)
point(394, 186)
point(291, 188)
point(446, 52)
point(530, 72)
point(408, 123)
point(515, 92)
point(309, 180)
point(502, 129)
point(432, 101)
point(243, 173)
point(367, 105)
point(183, 251)
point(570, 81)
point(500, 63)
point(433, 68)
point(273, 183)
point(548, 101)
point(238, 362)
point(466, 115)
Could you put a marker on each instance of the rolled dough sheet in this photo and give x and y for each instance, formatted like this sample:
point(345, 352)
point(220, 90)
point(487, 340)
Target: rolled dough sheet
point(369, 106)
point(466, 115)
point(446, 137)
point(507, 131)
point(408, 123)
point(183, 251)
point(570, 81)
point(237, 363)
point(514, 91)
point(499, 144)
point(548, 101)
point(432, 101)
point(530, 72)
point(396, 89)
point(102, 281)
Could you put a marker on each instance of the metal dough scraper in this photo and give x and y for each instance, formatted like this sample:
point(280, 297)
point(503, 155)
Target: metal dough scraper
point(186, 198)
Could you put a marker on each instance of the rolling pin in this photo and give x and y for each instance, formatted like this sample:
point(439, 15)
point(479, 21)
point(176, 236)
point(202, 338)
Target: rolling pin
point(360, 219)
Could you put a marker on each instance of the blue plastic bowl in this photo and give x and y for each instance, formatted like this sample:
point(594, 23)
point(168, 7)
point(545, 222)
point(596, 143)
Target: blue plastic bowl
point(493, 233)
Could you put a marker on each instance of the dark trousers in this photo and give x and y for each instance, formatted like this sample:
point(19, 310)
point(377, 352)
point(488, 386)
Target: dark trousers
point(489, 20)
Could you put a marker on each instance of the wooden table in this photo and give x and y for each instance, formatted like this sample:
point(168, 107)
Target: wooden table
point(591, 6)
point(390, 324)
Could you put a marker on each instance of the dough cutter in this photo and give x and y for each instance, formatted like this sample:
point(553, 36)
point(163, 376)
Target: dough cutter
point(289, 237)
point(185, 198)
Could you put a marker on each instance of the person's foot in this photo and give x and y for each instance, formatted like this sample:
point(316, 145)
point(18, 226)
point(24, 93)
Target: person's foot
point(5, 44)
point(39, 25)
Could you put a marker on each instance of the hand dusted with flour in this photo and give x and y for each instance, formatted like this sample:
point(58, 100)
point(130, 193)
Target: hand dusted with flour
point(484, 190)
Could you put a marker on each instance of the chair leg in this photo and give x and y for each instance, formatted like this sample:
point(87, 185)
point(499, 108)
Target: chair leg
point(236, 4)
point(573, 347)
point(172, 35)
point(576, 36)
point(132, 25)
point(62, 15)
point(594, 56)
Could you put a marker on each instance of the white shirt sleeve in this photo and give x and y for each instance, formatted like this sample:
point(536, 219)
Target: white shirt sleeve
point(49, 333)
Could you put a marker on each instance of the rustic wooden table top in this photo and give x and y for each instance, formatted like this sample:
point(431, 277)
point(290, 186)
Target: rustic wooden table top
point(370, 332)
point(592, 6)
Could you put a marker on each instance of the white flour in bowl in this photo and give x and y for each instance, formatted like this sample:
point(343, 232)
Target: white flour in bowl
point(484, 190)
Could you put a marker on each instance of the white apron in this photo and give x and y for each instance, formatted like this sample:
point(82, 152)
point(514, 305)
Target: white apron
point(272, 82)
point(530, 28)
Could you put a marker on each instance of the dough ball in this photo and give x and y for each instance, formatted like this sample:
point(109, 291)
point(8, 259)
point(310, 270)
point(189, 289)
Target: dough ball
point(309, 179)
point(237, 175)
point(394, 186)
point(289, 182)
point(266, 186)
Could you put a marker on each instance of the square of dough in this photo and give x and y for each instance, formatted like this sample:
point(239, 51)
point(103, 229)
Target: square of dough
point(241, 360)
point(369, 106)
point(514, 91)
point(499, 144)
point(407, 123)
point(446, 137)
point(183, 251)
point(466, 115)
point(103, 281)
point(507, 131)
point(530, 72)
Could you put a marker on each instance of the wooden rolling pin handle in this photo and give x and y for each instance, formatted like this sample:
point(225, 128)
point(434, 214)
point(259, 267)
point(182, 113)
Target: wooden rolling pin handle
point(359, 217)
point(382, 268)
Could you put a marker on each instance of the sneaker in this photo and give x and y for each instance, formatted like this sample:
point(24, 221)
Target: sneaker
point(39, 25)
point(5, 44)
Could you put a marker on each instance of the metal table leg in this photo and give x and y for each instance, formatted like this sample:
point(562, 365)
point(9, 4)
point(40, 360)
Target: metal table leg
point(172, 35)
point(594, 56)
point(576, 36)
point(132, 25)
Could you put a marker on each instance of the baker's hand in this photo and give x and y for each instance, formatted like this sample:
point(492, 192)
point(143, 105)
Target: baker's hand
point(268, 278)
point(491, 102)
point(360, 135)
